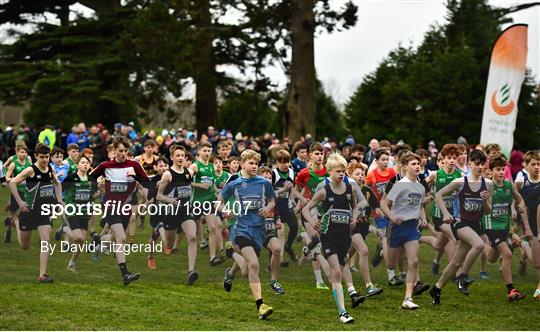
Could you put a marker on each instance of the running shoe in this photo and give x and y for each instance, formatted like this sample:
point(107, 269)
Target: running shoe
point(435, 266)
point(151, 263)
point(59, 232)
point(45, 279)
point(409, 304)
point(227, 280)
point(203, 245)
point(131, 277)
point(484, 275)
point(356, 299)
point(321, 285)
point(291, 253)
point(515, 295)
point(377, 256)
point(192, 277)
point(435, 296)
point(372, 290)
point(166, 250)
point(353, 268)
point(463, 287)
point(264, 311)
point(537, 295)
point(420, 288)
point(395, 281)
point(284, 263)
point(345, 318)
point(403, 276)
point(71, 268)
point(466, 280)
point(7, 235)
point(276, 287)
point(7, 222)
point(229, 249)
point(215, 261)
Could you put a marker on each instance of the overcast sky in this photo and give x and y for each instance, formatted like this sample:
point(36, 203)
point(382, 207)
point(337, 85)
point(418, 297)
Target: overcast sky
point(343, 58)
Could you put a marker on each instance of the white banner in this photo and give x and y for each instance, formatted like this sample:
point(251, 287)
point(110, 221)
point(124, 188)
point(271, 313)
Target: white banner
point(506, 74)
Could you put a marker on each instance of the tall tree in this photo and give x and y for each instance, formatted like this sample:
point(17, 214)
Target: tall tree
point(438, 89)
point(99, 69)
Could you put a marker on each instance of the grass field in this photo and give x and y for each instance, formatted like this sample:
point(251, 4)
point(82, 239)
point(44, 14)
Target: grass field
point(95, 299)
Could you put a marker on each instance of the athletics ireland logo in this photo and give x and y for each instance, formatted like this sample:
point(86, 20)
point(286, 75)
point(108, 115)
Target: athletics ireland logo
point(501, 101)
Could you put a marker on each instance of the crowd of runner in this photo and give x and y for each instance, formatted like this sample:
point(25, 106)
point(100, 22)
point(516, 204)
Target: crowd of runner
point(236, 195)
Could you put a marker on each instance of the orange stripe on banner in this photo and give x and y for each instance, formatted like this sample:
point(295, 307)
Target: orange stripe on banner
point(511, 48)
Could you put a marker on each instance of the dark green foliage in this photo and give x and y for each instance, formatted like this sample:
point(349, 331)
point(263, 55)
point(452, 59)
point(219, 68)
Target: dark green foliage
point(437, 91)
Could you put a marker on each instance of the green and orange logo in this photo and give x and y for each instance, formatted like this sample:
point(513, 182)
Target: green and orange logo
point(506, 105)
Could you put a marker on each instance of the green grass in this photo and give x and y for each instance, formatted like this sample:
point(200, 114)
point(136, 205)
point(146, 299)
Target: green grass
point(94, 298)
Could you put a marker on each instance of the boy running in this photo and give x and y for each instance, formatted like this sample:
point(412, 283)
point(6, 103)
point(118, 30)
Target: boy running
point(283, 181)
point(497, 224)
point(438, 180)
point(340, 209)
point(205, 193)
point(19, 162)
point(156, 220)
point(472, 200)
point(530, 191)
point(377, 180)
point(42, 187)
point(361, 230)
point(176, 190)
point(121, 178)
point(78, 190)
point(307, 181)
point(403, 206)
point(252, 192)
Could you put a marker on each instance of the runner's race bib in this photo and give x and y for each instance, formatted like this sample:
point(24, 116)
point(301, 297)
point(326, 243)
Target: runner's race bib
point(269, 224)
point(449, 202)
point(339, 216)
point(82, 195)
point(415, 199)
point(46, 191)
point(473, 204)
point(183, 192)
point(207, 179)
point(500, 209)
point(119, 187)
point(251, 202)
point(284, 194)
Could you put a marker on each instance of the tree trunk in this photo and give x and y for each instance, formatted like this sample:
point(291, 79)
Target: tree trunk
point(300, 113)
point(204, 67)
point(63, 14)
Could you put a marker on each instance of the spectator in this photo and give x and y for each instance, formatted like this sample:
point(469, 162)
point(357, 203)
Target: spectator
point(46, 136)
point(370, 154)
point(516, 161)
point(73, 138)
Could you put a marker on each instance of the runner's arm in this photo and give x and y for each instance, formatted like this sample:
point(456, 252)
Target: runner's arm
point(317, 198)
point(439, 200)
point(26, 173)
point(165, 180)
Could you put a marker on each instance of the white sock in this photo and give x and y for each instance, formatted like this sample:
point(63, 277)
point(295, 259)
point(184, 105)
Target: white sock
point(391, 273)
point(369, 285)
point(318, 276)
point(351, 290)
